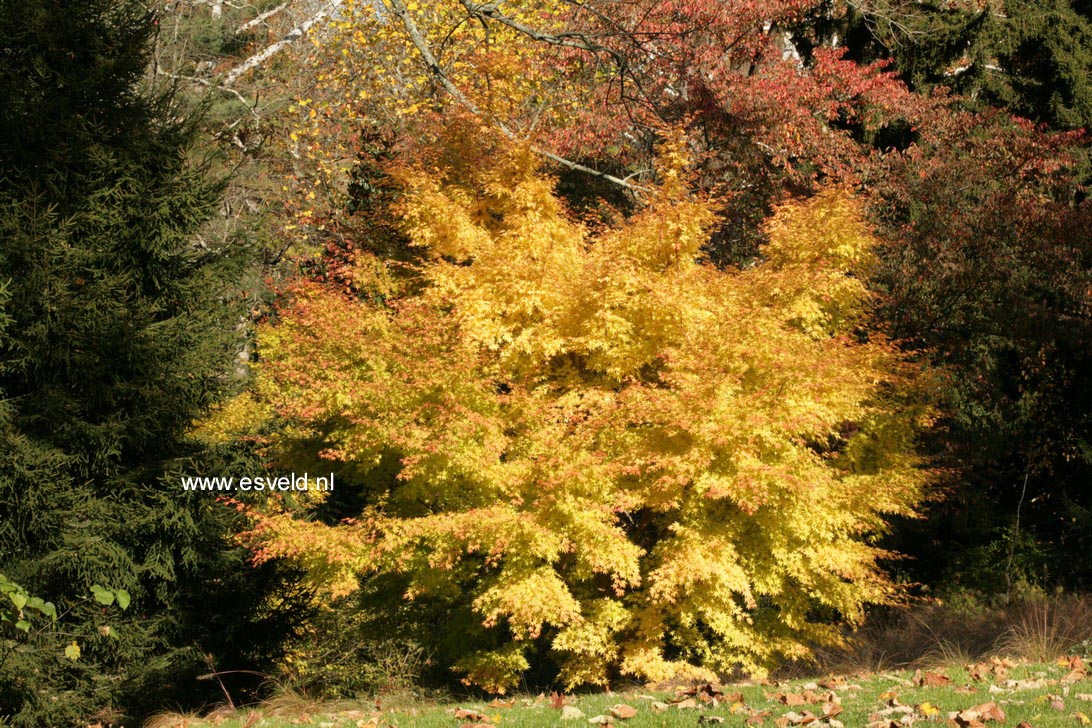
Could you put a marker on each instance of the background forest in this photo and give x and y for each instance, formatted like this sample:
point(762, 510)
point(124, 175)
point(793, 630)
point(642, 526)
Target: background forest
point(645, 340)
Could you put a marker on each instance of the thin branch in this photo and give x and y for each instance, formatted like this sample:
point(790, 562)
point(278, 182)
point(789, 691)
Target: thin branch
point(568, 39)
point(399, 10)
point(253, 22)
point(250, 105)
point(269, 51)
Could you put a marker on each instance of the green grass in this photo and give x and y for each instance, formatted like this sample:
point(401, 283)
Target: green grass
point(1032, 705)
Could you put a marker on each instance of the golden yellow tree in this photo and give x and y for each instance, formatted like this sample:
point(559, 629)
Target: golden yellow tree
point(606, 449)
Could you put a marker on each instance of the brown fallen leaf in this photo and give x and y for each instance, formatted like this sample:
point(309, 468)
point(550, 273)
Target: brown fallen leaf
point(980, 714)
point(965, 690)
point(833, 683)
point(1074, 676)
point(601, 720)
point(623, 711)
point(687, 704)
point(991, 711)
point(1057, 704)
point(997, 666)
point(658, 706)
point(469, 715)
point(557, 700)
point(758, 718)
point(1073, 662)
point(498, 703)
point(792, 718)
point(789, 699)
point(931, 679)
point(1082, 718)
point(1025, 724)
point(476, 725)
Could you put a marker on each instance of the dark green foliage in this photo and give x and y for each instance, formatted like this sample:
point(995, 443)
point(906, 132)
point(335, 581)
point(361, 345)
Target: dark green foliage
point(116, 331)
point(1032, 57)
point(988, 275)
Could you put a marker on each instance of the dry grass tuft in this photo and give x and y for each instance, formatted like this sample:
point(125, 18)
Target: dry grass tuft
point(1045, 630)
point(170, 719)
point(926, 635)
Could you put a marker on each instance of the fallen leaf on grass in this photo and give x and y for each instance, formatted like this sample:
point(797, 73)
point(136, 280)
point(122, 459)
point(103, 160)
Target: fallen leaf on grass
point(789, 699)
point(470, 715)
point(571, 712)
point(1082, 718)
point(687, 704)
point(758, 718)
point(1073, 662)
point(557, 700)
point(804, 698)
point(659, 706)
point(893, 710)
point(601, 720)
point(996, 666)
point(710, 719)
point(978, 715)
point(931, 679)
point(965, 690)
point(1028, 684)
point(928, 710)
point(791, 719)
point(498, 703)
point(623, 711)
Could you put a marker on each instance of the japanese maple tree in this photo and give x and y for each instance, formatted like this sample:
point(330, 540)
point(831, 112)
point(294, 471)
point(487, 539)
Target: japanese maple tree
point(614, 457)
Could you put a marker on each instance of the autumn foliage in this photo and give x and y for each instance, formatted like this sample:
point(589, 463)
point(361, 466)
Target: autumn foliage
point(622, 460)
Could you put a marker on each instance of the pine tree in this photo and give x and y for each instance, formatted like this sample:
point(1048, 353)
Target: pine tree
point(116, 333)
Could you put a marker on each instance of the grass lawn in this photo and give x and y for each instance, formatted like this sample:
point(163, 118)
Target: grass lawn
point(1038, 694)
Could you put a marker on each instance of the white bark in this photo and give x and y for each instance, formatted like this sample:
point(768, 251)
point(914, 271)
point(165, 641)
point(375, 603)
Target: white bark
point(254, 22)
point(269, 51)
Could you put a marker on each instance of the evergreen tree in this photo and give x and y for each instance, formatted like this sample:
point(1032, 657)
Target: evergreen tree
point(1032, 58)
point(117, 332)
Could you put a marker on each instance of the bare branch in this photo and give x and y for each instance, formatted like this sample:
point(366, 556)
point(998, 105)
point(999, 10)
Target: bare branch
point(295, 34)
point(258, 20)
point(568, 39)
point(251, 106)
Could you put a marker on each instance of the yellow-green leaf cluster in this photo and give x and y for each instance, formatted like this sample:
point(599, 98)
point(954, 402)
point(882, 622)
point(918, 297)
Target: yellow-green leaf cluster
point(593, 439)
